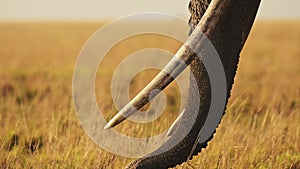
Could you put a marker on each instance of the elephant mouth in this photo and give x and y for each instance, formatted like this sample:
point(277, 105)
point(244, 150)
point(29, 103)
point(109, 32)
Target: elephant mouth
point(186, 54)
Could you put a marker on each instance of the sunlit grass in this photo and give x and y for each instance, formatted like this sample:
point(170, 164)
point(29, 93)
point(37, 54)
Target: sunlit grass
point(39, 127)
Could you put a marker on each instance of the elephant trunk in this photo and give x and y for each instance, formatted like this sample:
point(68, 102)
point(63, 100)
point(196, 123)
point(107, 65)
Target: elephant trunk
point(228, 34)
point(181, 152)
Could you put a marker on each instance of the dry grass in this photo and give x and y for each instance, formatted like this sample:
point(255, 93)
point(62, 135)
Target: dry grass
point(39, 127)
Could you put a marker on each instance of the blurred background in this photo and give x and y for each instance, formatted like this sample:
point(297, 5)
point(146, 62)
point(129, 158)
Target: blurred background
point(40, 42)
point(99, 10)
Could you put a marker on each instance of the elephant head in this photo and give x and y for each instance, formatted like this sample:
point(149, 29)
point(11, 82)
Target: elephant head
point(226, 23)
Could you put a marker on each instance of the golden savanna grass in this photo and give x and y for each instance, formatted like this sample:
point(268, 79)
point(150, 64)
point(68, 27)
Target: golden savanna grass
point(39, 127)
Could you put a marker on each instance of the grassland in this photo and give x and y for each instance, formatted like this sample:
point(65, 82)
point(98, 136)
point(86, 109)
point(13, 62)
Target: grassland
point(39, 127)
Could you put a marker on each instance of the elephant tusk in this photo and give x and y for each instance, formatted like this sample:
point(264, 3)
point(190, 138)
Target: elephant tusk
point(175, 124)
point(186, 54)
point(178, 63)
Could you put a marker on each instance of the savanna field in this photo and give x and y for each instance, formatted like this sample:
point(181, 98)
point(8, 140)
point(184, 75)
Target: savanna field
point(39, 126)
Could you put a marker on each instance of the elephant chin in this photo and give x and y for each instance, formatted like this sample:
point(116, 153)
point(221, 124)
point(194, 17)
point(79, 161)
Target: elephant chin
point(227, 24)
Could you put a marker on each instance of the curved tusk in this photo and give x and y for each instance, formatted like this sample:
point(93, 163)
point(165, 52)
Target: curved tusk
point(175, 124)
point(178, 63)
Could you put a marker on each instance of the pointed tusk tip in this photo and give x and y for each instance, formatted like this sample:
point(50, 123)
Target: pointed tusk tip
point(117, 119)
point(107, 126)
point(169, 134)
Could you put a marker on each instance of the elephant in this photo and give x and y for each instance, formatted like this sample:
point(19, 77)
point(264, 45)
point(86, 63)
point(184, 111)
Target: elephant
point(226, 23)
